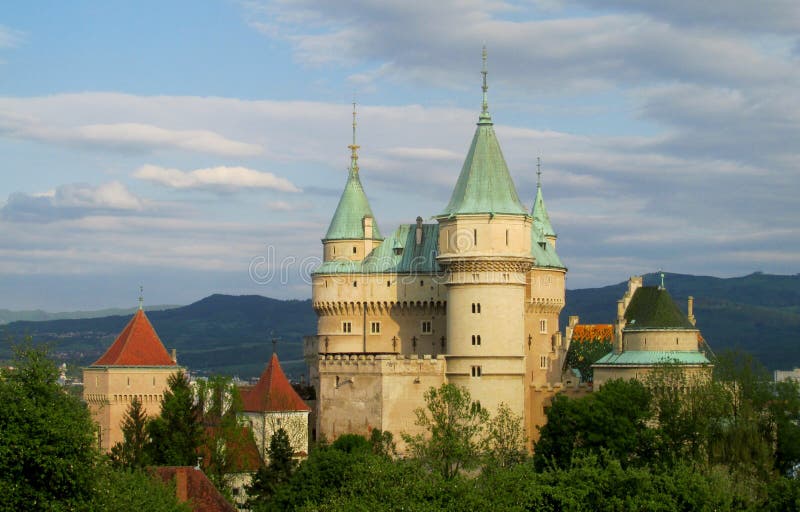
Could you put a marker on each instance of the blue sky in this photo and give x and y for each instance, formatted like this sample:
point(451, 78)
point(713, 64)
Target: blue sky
point(173, 144)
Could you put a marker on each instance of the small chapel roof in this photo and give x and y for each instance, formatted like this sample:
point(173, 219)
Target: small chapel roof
point(137, 345)
point(653, 308)
point(273, 392)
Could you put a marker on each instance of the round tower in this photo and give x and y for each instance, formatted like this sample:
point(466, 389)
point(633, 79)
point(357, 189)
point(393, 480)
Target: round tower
point(485, 248)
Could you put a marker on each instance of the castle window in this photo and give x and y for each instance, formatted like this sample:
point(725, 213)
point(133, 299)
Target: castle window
point(476, 339)
point(476, 371)
point(154, 381)
point(388, 284)
point(426, 327)
point(355, 284)
point(506, 238)
point(374, 327)
point(475, 237)
point(347, 327)
point(543, 362)
point(354, 250)
point(476, 307)
point(421, 282)
point(543, 326)
point(129, 381)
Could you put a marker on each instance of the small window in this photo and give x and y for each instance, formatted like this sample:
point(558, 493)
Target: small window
point(154, 381)
point(421, 282)
point(426, 327)
point(374, 327)
point(476, 371)
point(334, 249)
point(476, 307)
point(543, 326)
point(347, 327)
point(506, 238)
point(354, 250)
point(476, 339)
point(129, 381)
point(388, 284)
point(475, 237)
point(543, 362)
point(355, 284)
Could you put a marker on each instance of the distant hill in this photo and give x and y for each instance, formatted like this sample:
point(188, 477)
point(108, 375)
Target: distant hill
point(221, 333)
point(758, 313)
point(37, 315)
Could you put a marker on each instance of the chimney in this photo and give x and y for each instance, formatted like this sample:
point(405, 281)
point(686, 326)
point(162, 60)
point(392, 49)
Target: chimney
point(690, 310)
point(368, 226)
point(174, 355)
point(419, 231)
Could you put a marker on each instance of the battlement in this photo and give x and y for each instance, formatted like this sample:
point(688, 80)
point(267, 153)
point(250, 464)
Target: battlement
point(398, 364)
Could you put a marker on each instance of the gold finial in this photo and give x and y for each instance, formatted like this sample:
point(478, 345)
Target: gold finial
point(538, 172)
point(354, 147)
point(141, 297)
point(485, 106)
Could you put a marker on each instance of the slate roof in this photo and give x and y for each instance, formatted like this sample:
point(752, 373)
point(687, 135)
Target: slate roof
point(653, 308)
point(652, 357)
point(398, 253)
point(273, 392)
point(347, 222)
point(137, 345)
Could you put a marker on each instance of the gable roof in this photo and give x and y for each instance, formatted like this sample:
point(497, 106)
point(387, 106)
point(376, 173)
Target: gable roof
point(653, 308)
point(273, 392)
point(348, 220)
point(193, 486)
point(137, 345)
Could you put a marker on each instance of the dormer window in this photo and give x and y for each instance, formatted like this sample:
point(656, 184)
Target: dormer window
point(398, 251)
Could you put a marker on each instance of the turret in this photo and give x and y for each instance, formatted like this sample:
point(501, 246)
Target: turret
point(353, 232)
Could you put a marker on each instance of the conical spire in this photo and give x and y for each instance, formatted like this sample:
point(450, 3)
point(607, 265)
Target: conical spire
point(348, 220)
point(541, 220)
point(484, 185)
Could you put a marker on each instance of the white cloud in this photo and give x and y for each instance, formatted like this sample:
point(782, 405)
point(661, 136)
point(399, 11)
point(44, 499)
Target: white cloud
point(9, 38)
point(424, 154)
point(74, 200)
point(215, 178)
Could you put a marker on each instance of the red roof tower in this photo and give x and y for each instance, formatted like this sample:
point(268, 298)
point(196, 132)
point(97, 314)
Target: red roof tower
point(273, 392)
point(137, 345)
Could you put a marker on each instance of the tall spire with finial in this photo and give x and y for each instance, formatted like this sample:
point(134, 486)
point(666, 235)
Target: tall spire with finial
point(354, 147)
point(485, 116)
point(141, 298)
point(538, 172)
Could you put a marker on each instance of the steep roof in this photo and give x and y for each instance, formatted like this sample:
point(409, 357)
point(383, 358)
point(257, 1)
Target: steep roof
point(193, 486)
point(137, 345)
point(543, 252)
point(273, 392)
point(398, 253)
point(484, 185)
point(540, 217)
point(653, 308)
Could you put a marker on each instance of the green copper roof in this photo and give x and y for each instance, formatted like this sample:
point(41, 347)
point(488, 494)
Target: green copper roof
point(652, 308)
point(347, 222)
point(399, 253)
point(651, 357)
point(539, 214)
point(543, 252)
point(484, 185)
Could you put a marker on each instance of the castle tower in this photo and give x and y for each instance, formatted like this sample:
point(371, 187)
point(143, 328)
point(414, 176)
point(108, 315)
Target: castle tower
point(135, 365)
point(353, 232)
point(485, 248)
point(545, 290)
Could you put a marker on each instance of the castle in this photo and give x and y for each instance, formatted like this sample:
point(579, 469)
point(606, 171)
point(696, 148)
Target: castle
point(472, 299)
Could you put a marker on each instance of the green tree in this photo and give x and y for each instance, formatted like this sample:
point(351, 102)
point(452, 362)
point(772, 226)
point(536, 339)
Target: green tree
point(47, 442)
point(614, 418)
point(131, 452)
point(178, 432)
point(505, 439)
point(382, 443)
point(455, 427)
point(273, 475)
point(126, 490)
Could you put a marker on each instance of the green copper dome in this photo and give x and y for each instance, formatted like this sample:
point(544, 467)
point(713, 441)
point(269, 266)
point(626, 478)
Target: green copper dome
point(484, 185)
point(348, 220)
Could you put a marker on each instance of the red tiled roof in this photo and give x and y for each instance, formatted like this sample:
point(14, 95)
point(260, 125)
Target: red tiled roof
point(592, 332)
point(193, 486)
point(137, 345)
point(273, 393)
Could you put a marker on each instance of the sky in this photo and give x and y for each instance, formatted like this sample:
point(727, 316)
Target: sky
point(201, 147)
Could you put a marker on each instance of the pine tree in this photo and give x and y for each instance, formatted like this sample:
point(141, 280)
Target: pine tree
point(177, 433)
point(131, 452)
point(273, 475)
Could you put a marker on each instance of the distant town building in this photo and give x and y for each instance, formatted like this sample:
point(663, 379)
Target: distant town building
point(784, 375)
point(135, 365)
